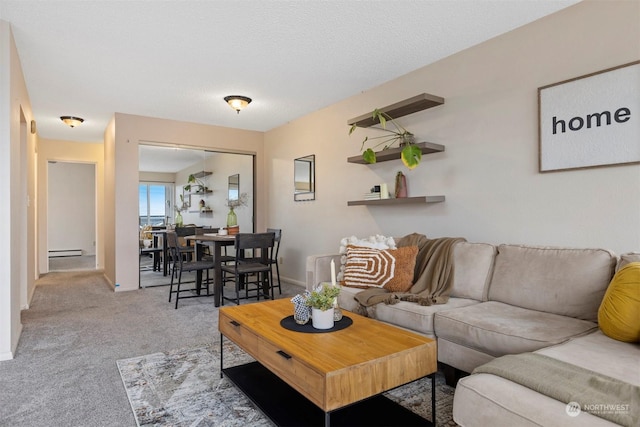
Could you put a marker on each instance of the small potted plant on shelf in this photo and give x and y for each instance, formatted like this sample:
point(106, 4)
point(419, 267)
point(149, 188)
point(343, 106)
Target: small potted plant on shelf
point(411, 153)
point(321, 300)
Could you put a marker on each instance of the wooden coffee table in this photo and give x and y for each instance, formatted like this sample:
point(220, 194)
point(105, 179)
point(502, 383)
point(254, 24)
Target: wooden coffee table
point(329, 371)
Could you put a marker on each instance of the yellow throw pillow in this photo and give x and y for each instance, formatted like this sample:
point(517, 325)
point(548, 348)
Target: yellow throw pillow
point(391, 269)
point(619, 312)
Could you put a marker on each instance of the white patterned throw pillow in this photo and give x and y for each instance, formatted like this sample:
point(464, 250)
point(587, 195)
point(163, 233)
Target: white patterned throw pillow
point(376, 241)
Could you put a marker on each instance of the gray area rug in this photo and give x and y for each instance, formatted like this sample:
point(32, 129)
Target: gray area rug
point(184, 388)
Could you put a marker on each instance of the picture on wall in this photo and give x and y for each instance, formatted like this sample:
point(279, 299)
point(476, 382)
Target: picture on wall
point(590, 121)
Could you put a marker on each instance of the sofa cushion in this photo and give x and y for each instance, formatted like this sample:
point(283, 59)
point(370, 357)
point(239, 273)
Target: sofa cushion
point(489, 400)
point(404, 314)
point(570, 282)
point(497, 328)
point(484, 397)
point(602, 354)
point(472, 267)
point(414, 316)
point(619, 313)
point(391, 269)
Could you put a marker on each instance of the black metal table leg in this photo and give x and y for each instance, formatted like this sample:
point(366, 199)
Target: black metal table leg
point(221, 364)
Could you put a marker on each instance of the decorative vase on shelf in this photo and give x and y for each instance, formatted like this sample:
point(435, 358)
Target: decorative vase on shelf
point(322, 319)
point(401, 186)
point(179, 219)
point(232, 218)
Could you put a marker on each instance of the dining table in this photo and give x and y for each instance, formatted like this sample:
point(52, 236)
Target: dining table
point(217, 241)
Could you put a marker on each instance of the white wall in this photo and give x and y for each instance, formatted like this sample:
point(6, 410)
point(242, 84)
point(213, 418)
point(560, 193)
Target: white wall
point(489, 171)
point(71, 207)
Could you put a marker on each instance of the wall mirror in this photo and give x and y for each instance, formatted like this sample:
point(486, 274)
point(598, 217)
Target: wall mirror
point(304, 170)
point(234, 187)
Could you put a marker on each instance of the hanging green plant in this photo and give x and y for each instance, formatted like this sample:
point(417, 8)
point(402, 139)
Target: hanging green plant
point(195, 183)
point(411, 154)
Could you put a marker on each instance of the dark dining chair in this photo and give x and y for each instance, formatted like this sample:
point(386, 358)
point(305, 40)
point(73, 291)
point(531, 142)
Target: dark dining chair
point(180, 265)
point(186, 249)
point(274, 254)
point(252, 266)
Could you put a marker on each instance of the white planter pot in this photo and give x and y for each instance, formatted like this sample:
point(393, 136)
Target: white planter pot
point(322, 319)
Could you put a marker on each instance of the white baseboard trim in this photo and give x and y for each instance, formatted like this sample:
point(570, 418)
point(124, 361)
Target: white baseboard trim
point(65, 252)
point(6, 356)
point(292, 281)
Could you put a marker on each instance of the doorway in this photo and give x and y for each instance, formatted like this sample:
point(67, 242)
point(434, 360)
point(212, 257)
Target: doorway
point(71, 216)
point(191, 184)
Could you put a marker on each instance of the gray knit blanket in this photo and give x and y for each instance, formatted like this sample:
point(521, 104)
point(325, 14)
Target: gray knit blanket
point(597, 394)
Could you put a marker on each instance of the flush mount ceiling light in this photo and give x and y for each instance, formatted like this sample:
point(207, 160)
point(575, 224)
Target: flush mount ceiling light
point(237, 102)
point(72, 121)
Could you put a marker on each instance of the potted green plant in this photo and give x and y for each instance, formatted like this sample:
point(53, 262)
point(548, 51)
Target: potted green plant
point(321, 300)
point(198, 185)
point(411, 153)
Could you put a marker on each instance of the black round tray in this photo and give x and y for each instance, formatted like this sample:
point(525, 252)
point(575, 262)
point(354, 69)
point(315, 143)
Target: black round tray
point(289, 323)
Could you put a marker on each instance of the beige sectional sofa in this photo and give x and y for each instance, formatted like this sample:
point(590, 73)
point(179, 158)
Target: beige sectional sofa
point(511, 299)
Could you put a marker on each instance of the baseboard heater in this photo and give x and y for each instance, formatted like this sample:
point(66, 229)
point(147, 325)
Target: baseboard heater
point(65, 252)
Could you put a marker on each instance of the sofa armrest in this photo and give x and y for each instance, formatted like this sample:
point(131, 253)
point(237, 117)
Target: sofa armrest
point(319, 268)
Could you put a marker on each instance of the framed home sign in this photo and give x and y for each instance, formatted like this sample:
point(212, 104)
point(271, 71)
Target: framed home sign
point(590, 121)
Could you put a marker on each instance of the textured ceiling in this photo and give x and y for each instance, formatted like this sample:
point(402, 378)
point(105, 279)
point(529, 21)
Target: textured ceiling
point(178, 59)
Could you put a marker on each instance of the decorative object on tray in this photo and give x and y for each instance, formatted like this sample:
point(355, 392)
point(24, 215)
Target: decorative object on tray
point(337, 311)
point(301, 311)
point(321, 300)
point(411, 154)
point(401, 185)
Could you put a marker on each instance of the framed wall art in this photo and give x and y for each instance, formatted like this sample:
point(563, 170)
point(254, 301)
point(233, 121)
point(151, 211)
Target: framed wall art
point(591, 120)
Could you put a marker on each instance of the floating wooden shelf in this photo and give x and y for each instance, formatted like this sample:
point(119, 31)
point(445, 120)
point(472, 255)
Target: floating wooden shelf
point(202, 211)
point(399, 201)
point(200, 193)
point(399, 109)
point(202, 174)
point(394, 153)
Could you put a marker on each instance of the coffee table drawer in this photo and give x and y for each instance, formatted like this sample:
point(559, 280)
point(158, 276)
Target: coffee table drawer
point(299, 376)
point(237, 333)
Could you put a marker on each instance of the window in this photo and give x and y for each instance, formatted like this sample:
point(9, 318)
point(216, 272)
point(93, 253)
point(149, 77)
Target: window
point(155, 203)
